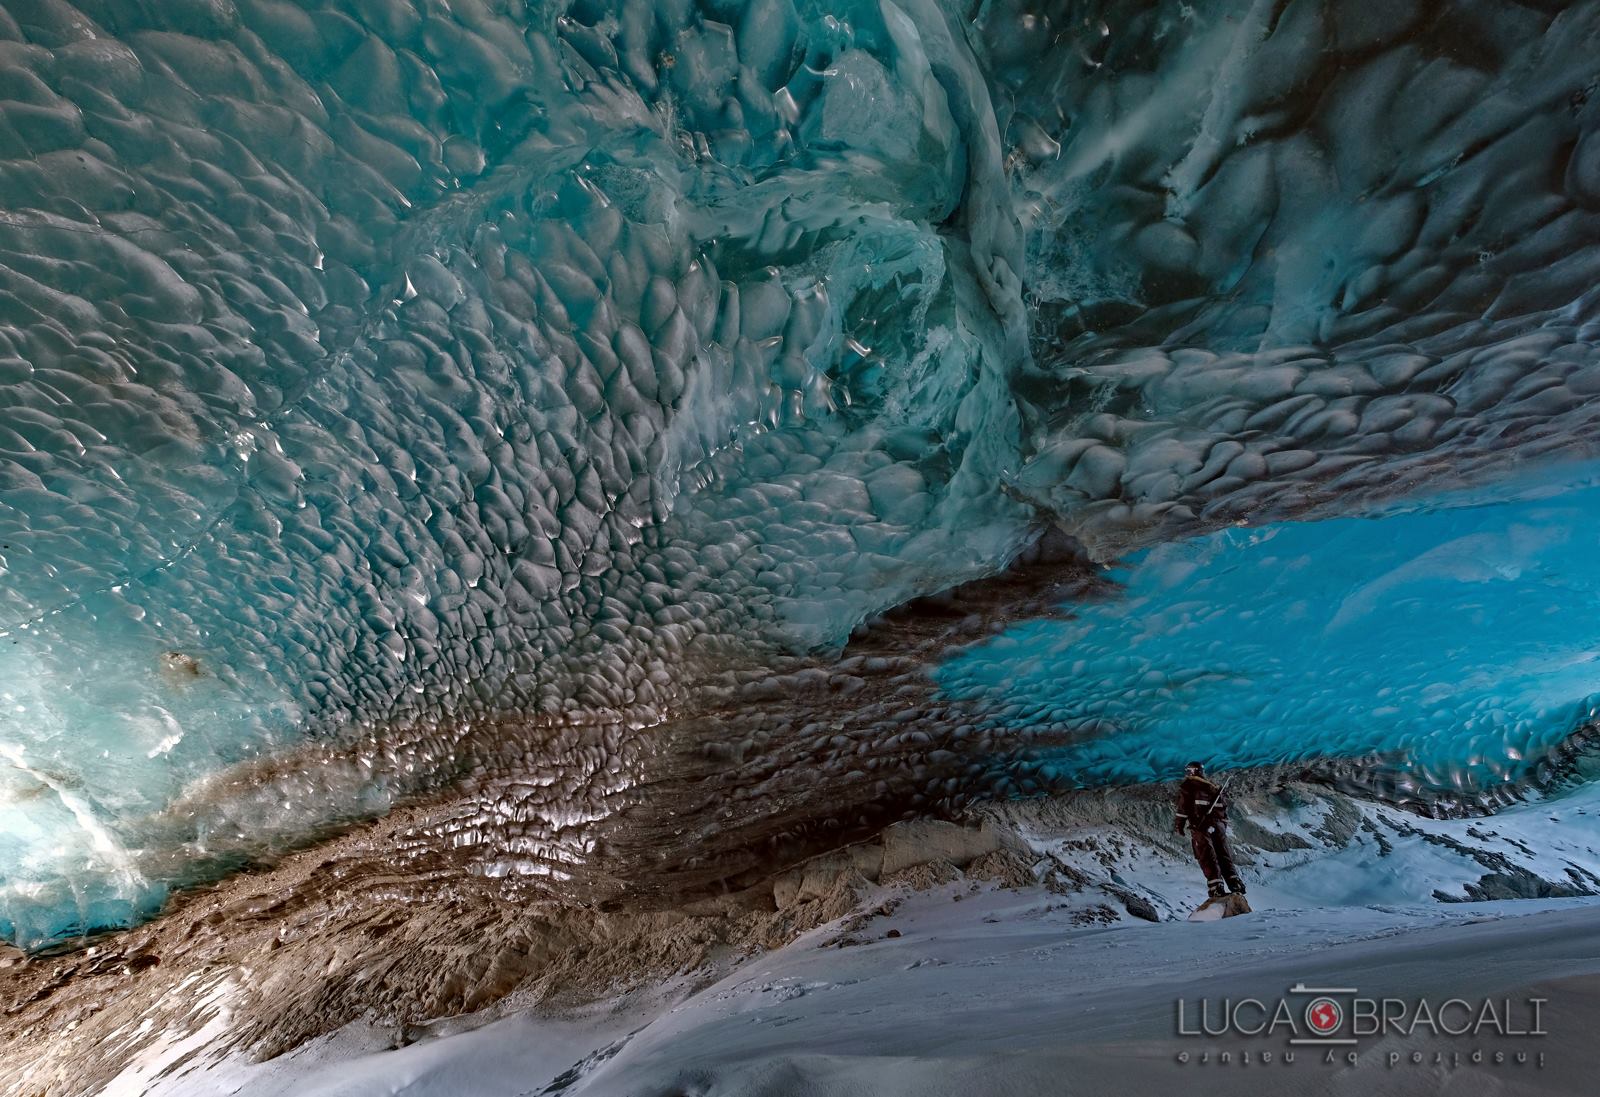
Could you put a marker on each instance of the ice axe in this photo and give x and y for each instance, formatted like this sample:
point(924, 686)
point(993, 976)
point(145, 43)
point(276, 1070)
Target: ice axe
point(1222, 794)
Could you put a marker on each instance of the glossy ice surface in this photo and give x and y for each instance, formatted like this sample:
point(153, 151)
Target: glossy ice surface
point(1453, 636)
point(374, 373)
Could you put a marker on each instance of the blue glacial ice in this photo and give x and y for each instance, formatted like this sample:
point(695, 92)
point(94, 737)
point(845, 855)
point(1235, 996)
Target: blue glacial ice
point(1454, 636)
point(377, 374)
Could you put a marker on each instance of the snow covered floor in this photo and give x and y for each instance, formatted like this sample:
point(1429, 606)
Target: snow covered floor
point(996, 997)
point(966, 987)
point(1001, 993)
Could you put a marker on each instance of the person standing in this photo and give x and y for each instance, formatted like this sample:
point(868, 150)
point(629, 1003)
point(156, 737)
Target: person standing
point(1202, 809)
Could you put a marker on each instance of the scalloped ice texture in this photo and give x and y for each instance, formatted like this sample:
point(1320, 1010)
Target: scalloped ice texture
point(374, 372)
point(1453, 634)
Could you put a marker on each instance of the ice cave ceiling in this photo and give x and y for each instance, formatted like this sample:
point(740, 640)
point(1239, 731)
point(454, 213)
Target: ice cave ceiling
point(400, 396)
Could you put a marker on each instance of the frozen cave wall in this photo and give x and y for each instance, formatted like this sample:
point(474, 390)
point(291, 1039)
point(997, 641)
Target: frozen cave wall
point(378, 372)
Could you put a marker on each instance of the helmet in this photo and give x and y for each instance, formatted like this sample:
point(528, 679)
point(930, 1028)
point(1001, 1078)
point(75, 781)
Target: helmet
point(1195, 768)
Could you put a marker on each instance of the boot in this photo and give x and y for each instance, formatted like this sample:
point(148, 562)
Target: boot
point(1215, 890)
point(1236, 885)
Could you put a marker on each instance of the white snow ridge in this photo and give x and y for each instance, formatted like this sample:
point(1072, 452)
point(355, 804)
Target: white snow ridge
point(1017, 954)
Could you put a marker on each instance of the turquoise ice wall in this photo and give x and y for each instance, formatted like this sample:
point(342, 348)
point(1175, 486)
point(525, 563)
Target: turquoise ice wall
point(375, 372)
point(1452, 637)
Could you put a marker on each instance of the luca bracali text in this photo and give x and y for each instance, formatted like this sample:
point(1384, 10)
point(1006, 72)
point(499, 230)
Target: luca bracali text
point(1332, 1026)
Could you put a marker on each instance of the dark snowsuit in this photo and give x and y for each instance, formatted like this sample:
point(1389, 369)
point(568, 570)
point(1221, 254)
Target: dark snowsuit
point(1201, 809)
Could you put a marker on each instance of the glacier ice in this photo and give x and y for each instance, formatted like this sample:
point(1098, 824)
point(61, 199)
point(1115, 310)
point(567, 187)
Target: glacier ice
point(406, 393)
point(1445, 641)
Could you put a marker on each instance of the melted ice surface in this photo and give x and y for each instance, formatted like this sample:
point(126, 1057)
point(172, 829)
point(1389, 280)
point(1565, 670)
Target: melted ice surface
point(376, 373)
point(1457, 634)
